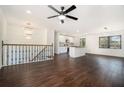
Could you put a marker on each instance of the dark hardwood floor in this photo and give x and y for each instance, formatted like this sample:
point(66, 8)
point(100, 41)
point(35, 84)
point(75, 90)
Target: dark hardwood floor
point(90, 70)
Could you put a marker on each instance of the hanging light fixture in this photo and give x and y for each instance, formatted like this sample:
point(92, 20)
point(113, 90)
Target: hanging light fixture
point(28, 30)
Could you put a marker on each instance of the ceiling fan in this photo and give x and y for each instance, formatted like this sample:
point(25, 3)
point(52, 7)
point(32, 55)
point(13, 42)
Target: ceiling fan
point(62, 14)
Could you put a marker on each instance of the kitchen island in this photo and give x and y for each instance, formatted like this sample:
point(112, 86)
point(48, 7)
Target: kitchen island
point(76, 51)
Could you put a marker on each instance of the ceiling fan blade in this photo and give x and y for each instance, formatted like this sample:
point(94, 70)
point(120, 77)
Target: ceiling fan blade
point(70, 9)
point(52, 16)
point(74, 18)
point(62, 21)
point(50, 6)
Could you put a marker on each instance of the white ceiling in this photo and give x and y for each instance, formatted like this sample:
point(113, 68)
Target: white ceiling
point(91, 18)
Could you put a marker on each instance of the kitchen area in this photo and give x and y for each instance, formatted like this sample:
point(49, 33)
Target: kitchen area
point(71, 45)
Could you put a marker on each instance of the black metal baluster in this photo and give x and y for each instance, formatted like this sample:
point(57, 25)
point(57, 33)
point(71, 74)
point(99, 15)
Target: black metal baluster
point(23, 53)
point(7, 55)
point(29, 53)
point(47, 52)
point(12, 56)
point(42, 53)
point(16, 55)
point(32, 52)
point(2, 52)
point(19, 54)
point(52, 51)
point(26, 55)
point(45, 49)
point(37, 53)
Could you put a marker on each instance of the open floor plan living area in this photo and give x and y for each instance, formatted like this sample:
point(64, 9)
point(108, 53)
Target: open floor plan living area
point(61, 46)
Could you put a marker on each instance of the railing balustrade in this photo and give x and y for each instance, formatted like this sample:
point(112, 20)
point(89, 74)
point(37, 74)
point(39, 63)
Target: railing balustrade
point(13, 54)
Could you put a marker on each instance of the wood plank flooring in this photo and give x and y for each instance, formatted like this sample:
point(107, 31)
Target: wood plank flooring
point(90, 71)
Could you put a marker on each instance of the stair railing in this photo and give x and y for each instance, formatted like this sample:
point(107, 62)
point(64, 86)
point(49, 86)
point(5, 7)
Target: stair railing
point(13, 54)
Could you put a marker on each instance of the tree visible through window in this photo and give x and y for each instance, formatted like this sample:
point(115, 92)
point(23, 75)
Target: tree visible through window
point(115, 42)
point(104, 42)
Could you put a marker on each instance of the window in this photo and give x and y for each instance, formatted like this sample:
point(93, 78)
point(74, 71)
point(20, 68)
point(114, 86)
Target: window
point(103, 42)
point(82, 42)
point(113, 42)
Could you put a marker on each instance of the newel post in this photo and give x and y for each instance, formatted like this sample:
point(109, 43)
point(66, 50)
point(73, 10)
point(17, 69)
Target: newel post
point(2, 52)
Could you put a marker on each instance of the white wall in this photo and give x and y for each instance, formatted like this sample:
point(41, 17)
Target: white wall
point(2, 31)
point(0, 39)
point(50, 36)
point(15, 34)
point(92, 44)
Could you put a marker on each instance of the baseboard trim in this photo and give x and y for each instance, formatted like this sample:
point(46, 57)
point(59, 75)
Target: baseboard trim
point(103, 55)
point(60, 53)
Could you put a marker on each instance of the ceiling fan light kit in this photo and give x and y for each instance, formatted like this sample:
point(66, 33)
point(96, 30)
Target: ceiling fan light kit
point(63, 14)
point(61, 17)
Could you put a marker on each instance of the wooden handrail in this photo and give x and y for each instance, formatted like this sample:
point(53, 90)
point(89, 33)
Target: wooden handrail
point(4, 44)
point(25, 45)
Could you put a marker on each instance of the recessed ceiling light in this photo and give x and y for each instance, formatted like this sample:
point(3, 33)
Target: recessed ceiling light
point(28, 12)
